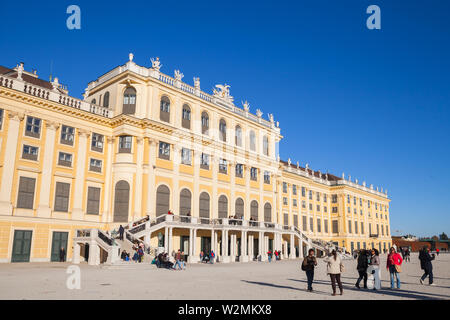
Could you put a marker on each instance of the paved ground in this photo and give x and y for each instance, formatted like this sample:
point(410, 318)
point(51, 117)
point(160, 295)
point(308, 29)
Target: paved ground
point(276, 280)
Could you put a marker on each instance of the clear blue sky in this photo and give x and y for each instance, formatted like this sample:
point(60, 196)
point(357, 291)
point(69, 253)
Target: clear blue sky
point(370, 103)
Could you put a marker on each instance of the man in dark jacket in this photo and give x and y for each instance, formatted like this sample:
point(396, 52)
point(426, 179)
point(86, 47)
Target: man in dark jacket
point(62, 254)
point(425, 263)
point(121, 230)
point(363, 264)
point(309, 263)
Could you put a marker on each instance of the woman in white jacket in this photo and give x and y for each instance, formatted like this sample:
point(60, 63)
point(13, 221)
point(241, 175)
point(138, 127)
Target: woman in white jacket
point(334, 269)
point(375, 263)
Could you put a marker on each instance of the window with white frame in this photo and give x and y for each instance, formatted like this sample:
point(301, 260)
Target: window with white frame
point(65, 159)
point(67, 135)
point(239, 170)
point(267, 177)
point(254, 174)
point(95, 165)
point(223, 166)
point(97, 142)
point(164, 150)
point(186, 156)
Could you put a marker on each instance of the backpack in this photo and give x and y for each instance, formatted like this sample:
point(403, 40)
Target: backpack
point(303, 265)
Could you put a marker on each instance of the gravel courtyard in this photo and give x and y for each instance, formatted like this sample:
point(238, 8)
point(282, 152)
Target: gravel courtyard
point(254, 281)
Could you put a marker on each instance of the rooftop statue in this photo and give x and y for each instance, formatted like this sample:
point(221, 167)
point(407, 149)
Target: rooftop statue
point(197, 82)
point(156, 64)
point(246, 106)
point(223, 92)
point(178, 75)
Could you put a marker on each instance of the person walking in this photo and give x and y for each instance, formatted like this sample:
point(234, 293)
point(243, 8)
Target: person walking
point(308, 264)
point(269, 255)
point(425, 264)
point(62, 255)
point(212, 257)
point(363, 264)
point(393, 265)
point(334, 269)
point(375, 263)
point(179, 260)
point(121, 231)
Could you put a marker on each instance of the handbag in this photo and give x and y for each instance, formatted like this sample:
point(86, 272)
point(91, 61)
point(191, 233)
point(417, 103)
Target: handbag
point(398, 268)
point(342, 268)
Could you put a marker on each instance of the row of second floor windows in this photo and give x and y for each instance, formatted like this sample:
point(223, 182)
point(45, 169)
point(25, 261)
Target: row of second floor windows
point(26, 194)
point(129, 107)
point(384, 229)
point(377, 205)
point(33, 128)
point(355, 211)
point(310, 193)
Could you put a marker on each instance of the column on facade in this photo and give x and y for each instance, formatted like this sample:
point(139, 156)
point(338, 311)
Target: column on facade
point(196, 154)
point(292, 245)
point(8, 165)
point(225, 257)
point(243, 257)
point(176, 180)
point(274, 198)
point(266, 245)
point(77, 211)
point(280, 203)
point(285, 251)
point(213, 241)
point(44, 210)
point(107, 215)
point(250, 247)
point(139, 175)
point(166, 239)
point(232, 187)
point(247, 191)
point(170, 242)
point(76, 253)
point(300, 247)
point(232, 247)
point(261, 252)
point(261, 194)
point(151, 192)
point(214, 198)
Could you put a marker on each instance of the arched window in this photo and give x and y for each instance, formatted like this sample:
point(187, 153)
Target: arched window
point(186, 117)
point(185, 202)
point(223, 207)
point(222, 130)
point(164, 110)
point(205, 123)
point(254, 210)
point(267, 212)
point(106, 100)
point(129, 101)
point(266, 146)
point(94, 101)
point(239, 208)
point(162, 200)
point(121, 201)
point(238, 136)
point(204, 205)
point(252, 141)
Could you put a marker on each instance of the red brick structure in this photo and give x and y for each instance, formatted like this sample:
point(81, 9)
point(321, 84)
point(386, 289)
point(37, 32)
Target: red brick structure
point(416, 246)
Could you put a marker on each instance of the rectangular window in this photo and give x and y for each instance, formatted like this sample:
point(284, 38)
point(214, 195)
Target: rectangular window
point(349, 226)
point(318, 208)
point(284, 187)
point(334, 210)
point(319, 226)
point(370, 228)
point(254, 174)
point(354, 210)
point(204, 161)
point(360, 202)
point(296, 220)
point(125, 144)
point(356, 226)
point(25, 197)
point(33, 127)
point(348, 209)
point(348, 198)
point(325, 223)
point(378, 229)
point(67, 135)
point(62, 192)
point(303, 204)
point(294, 189)
point(387, 230)
point(95, 165)
point(304, 223)
point(354, 201)
point(303, 192)
point(223, 166)
point(30, 152)
point(267, 177)
point(335, 226)
point(285, 201)
point(362, 227)
point(325, 209)
point(97, 142)
point(294, 202)
point(334, 198)
point(382, 230)
point(93, 201)
point(368, 204)
point(186, 156)
point(239, 170)
point(318, 196)
point(1, 118)
point(164, 150)
point(311, 224)
point(325, 198)
point(310, 207)
point(310, 194)
point(65, 159)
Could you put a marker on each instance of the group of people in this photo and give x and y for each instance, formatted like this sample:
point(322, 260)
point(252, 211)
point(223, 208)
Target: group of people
point(270, 254)
point(368, 266)
point(163, 260)
point(207, 257)
point(405, 254)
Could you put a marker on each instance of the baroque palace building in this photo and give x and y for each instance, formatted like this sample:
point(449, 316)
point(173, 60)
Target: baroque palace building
point(142, 143)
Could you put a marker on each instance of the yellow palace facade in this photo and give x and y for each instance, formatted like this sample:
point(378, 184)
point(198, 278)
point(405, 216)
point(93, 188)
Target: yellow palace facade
point(142, 143)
